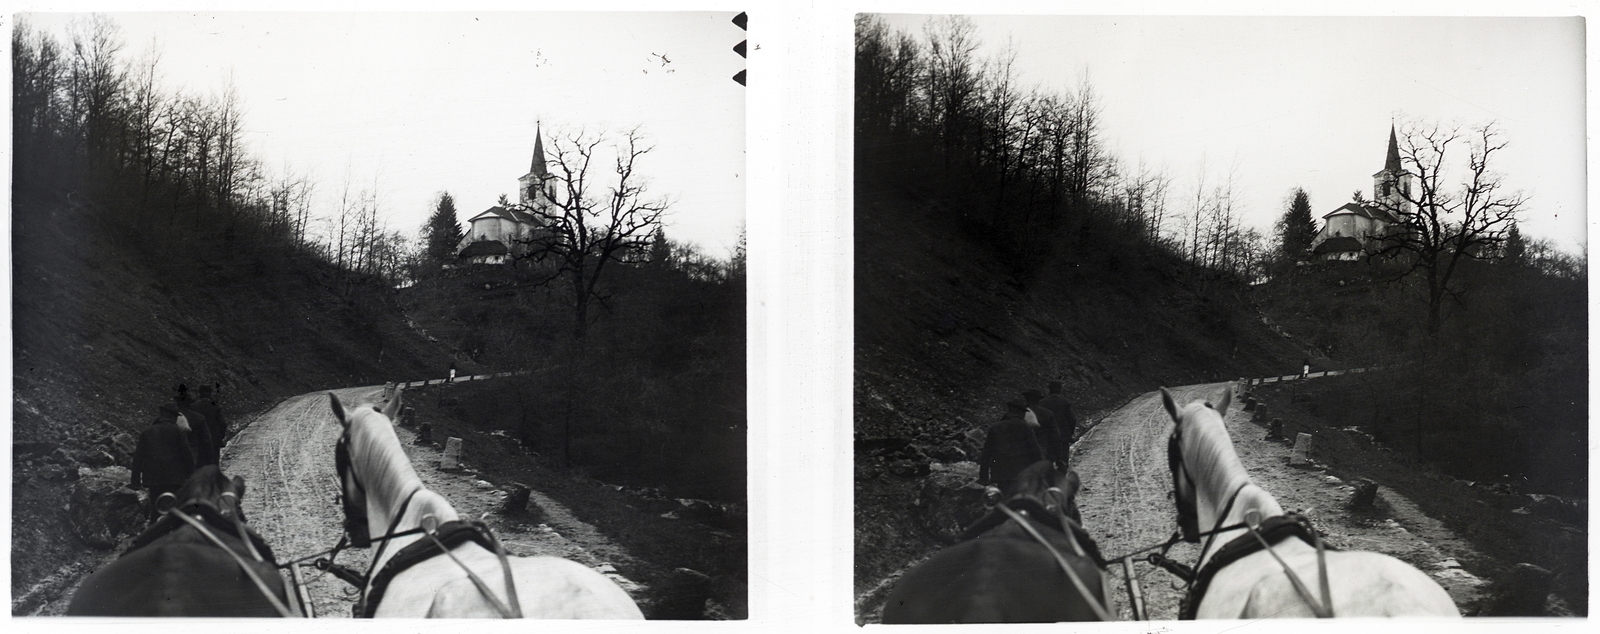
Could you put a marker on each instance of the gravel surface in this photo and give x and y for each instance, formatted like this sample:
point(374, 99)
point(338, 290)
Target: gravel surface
point(286, 459)
point(1126, 502)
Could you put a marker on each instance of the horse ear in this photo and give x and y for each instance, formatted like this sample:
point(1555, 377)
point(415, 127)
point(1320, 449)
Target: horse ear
point(1222, 405)
point(392, 408)
point(338, 409)
point(1172, 407)
point(1073, 483)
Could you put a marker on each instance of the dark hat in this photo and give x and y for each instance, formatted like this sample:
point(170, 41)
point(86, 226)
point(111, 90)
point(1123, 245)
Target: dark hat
point(1055, 386)
point(1016, 407)
point(168, 409)
point(1033, 395)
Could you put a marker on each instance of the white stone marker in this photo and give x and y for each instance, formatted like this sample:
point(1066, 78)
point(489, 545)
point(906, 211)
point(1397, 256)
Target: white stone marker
point(1302, 450)
point(452, 455)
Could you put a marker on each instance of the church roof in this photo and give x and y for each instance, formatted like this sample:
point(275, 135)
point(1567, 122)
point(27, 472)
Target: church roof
point(483, 247)
point(1365, 211)
point(1337, 245)
point(501, 212)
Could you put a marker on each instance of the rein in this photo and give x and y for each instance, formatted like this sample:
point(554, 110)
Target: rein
point(282, 609)
point(1099, 610)
point(1205, 569)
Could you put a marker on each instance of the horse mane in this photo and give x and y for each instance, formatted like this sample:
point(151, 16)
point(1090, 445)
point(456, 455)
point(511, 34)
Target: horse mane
point(1208, 450)
point(206, 483)
point(376, 453)
point(1033, 481)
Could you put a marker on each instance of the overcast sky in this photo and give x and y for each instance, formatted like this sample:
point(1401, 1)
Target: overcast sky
point(1307, 102)
point(425, 102)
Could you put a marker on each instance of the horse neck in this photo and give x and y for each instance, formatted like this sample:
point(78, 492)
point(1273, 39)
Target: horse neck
point(424, 504)
point(1219, 476)
point(385, 472)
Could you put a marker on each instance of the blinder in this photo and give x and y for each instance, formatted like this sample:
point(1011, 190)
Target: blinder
point(355, 510)
point(1188, 509)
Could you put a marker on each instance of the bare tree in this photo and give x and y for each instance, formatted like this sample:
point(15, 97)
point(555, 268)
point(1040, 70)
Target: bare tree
point(582, 229)
point(1439, 228)
point(952, 77)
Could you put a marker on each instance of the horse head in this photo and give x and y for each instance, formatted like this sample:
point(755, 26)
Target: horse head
point(1052, 490)
point(207, 487)
point(1190, 416)
point(353, 495)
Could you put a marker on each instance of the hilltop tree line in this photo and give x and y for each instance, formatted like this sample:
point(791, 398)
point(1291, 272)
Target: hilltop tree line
point(94, 125)
point(1031, 165)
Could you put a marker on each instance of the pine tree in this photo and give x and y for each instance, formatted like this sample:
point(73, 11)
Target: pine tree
point(1516, 249)
point(443, 232)
point(1296, 229)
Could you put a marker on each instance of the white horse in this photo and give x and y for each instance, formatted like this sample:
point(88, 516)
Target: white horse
point(379, 483)
point(1214, 491)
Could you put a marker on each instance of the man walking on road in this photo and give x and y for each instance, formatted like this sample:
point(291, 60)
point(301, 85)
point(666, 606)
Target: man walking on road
point(162, 460)
point(196, 429)
point(1009, 447)
point(1066, 424)
point(207, 406)
point(1049, 431)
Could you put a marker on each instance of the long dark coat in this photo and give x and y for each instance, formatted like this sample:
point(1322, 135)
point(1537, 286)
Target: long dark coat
point(1009, 448)
point(200, 441)
point(1066, 423)
point(214, 423)
point(1047, 432)
point(163, 457)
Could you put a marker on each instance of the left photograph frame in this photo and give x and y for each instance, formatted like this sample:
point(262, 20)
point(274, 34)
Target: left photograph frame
point(302, 301)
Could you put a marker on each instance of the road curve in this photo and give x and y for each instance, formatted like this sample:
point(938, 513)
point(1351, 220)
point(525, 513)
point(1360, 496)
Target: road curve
point(286, 459)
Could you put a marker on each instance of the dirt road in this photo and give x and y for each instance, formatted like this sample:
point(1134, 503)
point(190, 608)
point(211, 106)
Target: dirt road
point(1126, 501)
point(286, 459)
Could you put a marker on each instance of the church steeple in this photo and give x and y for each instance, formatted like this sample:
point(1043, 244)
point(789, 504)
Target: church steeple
point(1392, 186)
point(532, 186)
point(540, 168)
point(1392, 162)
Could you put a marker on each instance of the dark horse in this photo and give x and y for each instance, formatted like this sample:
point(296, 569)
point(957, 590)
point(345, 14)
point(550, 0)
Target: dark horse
point(176, 568)
point(1027, 561)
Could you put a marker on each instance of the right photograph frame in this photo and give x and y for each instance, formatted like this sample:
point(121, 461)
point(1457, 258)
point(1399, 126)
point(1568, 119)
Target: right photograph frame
point(1180, 317)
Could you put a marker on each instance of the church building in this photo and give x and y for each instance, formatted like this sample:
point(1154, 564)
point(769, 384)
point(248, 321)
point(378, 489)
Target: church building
point(496, 234)
point(1349, 231)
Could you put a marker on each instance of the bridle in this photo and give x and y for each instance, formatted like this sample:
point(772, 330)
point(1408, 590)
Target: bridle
point(357, 536)
point(1188, 530)
point(1058, 506)
point(231, 511)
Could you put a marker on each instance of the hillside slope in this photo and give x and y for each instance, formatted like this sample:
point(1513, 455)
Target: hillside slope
point(106, 324)
point(945, 335)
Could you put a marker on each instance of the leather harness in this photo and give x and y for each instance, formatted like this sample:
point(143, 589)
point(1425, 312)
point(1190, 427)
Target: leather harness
point(1272, 530)
point(450, 534)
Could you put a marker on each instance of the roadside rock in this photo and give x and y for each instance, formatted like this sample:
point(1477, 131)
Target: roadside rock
point(948, 454)
point(972, 441)
point(121, 447)
point(949, 500)
point(96, 458)
point(102, 509)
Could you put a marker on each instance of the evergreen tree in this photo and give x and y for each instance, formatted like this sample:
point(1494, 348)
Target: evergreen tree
point(1296, 229)
point(443, 232)
point(1516, 249)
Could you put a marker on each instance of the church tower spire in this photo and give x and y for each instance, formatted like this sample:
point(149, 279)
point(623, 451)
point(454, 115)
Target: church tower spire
point(1392, 185)
point(531, 187)
point(1392, 162)
point(540, 168)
